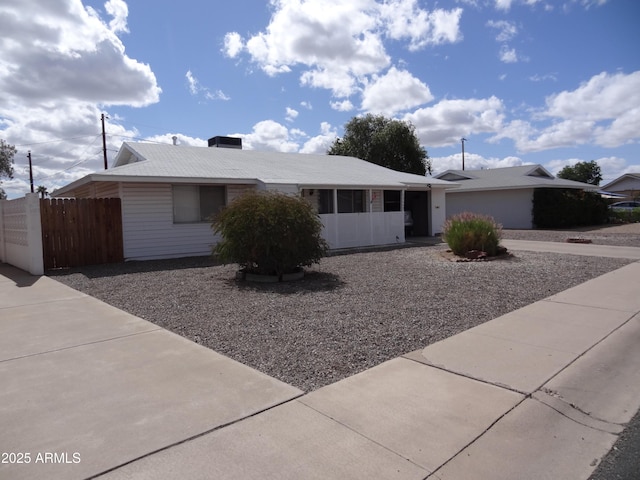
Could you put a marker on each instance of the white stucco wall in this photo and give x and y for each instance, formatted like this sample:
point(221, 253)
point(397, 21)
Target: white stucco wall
point(511, 208)
point(21, 233)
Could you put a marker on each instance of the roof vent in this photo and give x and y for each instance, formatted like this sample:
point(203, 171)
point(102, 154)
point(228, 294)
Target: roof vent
point(225, 142)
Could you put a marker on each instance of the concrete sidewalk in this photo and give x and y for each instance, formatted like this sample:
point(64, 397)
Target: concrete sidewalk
point(99, 387)
point(541, 392)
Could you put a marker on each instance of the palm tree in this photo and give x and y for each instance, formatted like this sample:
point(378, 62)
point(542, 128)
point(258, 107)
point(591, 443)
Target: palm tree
point(42, 190)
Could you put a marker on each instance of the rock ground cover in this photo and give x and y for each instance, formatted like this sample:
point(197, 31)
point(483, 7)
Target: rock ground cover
point(350, 312)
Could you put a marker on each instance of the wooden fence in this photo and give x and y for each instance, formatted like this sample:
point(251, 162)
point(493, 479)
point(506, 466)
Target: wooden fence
point(84, 231)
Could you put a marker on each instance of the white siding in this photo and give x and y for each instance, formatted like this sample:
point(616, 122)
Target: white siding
point(148, 228)
point(511, 208)
point(106, 190)
point(235, 191)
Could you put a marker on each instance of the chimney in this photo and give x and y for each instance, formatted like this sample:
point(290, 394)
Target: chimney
point(225, 142)
point(175, 140)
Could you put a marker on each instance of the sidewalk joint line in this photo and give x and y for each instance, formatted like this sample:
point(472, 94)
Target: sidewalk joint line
point(480, 435)
point(80, 345)
point(360, 434)
point(194, 437)
point(465, 375)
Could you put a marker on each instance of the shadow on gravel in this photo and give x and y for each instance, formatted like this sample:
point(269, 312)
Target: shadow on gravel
point(115, 269)
point(311, 283)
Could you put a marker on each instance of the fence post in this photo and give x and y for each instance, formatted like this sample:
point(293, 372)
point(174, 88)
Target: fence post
point(34, 234)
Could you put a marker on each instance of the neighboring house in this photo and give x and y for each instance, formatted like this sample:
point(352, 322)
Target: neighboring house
point(504, 193)
point(627, 186)
point(168, 193)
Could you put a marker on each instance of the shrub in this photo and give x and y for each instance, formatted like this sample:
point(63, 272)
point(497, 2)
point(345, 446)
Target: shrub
point(269, 233)
point(631, 216)
point(470, 231)
point(562, 208)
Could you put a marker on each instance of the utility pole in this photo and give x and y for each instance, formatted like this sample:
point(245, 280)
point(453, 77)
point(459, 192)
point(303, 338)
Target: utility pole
point(104, 141)
point(30, 170)
point(462, 140)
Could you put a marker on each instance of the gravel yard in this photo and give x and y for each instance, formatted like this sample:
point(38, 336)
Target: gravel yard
point(348, 314)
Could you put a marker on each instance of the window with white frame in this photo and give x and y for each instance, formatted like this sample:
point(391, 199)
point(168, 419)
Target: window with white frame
point(351, 201)
point(197, 203)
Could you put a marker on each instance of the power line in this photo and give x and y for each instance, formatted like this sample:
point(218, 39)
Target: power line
point(77, 163)
point(52, 141)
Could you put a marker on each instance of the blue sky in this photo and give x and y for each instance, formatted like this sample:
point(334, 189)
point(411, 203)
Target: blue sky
point(524, 81)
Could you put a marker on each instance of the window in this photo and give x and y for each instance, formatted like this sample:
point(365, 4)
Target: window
point(392, 200)
point(325, 201)
point(351, 201)
point(193, 203)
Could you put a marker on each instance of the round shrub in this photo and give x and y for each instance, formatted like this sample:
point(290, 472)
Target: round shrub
point(269, 233)
point(471, 231)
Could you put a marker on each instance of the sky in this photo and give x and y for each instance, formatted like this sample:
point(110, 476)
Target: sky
point(550, 82)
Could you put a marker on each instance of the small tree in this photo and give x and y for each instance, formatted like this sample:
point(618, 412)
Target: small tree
point(7, 152)
point(269, 233)
point(585, 172)
point(383, 141)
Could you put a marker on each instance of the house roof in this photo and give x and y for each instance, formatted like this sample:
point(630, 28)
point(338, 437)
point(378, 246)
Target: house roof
point(627, 176)
point(147, 162)
point(509, 178)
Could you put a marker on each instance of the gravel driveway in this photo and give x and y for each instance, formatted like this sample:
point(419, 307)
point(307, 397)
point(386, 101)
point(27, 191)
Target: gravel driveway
point(348, 314)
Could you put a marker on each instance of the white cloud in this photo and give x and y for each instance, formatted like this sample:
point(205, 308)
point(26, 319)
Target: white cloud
point(406, 20)
point(447, 121)
point(508, 55)
point(541, 78)
point(472, 161)
point(269, 135)
point(506, 4)
point(393, 92)
point(591, 3)
point(119, 10)
point(195, 88)
point(321, 143)
point(503, 4)
point(506, 30)
point(291, 114)
point(604, 111)
point(340, 55)
point(233, 44)
point(342, 106)
point(180, 140)
point(61, 65)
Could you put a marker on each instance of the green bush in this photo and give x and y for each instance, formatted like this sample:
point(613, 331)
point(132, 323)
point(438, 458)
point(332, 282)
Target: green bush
point(563, 208)
point(269, 233)
point(632, 216)
point(470, 231)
